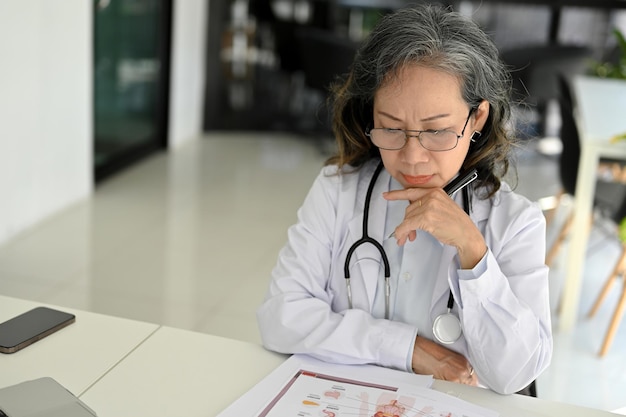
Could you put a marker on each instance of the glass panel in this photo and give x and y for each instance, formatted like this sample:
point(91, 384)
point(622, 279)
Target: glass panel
point(128, 77)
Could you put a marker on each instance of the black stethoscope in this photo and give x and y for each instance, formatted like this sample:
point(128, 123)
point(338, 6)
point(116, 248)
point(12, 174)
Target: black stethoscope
point(447, 326)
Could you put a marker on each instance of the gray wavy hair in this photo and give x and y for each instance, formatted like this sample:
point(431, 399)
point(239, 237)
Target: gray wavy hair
point(439, 38)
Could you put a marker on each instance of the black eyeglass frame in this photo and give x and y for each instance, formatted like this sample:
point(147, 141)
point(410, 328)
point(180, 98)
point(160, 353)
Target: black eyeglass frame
point(417, 134)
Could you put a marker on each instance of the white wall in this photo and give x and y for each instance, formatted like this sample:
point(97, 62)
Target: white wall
point(46, 102)
point(45, 109)
point(187, 70)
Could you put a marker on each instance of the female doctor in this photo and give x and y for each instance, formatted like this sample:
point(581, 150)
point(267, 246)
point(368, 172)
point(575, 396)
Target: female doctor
point(386, 265)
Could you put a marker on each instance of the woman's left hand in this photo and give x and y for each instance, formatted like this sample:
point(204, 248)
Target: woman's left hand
point(433, 211)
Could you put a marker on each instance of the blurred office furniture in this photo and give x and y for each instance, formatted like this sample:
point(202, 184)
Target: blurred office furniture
point(325, 56)
point(619, 271)
point(248, 47)
point(599, 105)
point(615, 57)
point(610, 194)
point(557, 9)
point(360, 16)
point(257, 81)
point(535, 70)
point(276, 91)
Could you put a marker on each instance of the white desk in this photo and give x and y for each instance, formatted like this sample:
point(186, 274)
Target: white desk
point(121, 367)
point(77, 355)
point(601, 113)
point(178, 372)
point(181, 373)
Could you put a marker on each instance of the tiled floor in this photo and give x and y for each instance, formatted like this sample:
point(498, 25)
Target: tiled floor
point(188, 239)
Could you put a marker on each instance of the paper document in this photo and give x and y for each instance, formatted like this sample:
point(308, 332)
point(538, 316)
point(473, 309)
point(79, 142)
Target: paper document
point(303, 386)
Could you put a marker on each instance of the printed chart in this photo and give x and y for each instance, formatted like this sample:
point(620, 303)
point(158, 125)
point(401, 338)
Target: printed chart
point(315, 394)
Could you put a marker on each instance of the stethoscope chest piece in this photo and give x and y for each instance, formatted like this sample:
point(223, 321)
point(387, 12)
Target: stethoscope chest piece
point(447, 328)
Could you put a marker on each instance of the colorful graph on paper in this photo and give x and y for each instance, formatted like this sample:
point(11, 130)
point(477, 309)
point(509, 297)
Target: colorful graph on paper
point(313, 394)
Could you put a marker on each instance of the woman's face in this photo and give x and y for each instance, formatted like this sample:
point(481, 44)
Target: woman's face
point(422, 98)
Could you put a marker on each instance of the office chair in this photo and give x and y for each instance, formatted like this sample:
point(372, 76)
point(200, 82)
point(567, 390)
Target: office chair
point(609, 202)
point(609, 195)
point(619, 270)
point(535, 70)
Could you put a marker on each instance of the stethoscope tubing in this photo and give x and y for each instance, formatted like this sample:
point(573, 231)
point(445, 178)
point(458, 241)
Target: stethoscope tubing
point(367, 239)
point(459, 183)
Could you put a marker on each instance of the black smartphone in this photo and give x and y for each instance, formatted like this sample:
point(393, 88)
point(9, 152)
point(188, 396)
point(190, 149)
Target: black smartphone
point(29, 327)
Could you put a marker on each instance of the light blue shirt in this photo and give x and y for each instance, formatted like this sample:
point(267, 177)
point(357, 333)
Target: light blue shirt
point(413, 269)
point(413, 273)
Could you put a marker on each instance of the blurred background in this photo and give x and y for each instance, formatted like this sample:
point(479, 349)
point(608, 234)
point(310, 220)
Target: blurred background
point(90, 88)
point(145, 145)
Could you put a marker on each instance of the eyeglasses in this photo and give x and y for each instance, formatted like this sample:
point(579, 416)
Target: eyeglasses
point(432, 140)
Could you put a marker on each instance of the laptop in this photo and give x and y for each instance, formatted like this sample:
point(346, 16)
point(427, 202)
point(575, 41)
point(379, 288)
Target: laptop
point(41, 397)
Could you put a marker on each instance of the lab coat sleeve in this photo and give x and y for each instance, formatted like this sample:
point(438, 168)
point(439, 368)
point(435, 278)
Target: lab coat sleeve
point(297, 315)
point(504, 302)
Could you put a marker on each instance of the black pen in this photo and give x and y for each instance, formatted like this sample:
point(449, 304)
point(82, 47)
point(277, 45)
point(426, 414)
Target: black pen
point(460, 182)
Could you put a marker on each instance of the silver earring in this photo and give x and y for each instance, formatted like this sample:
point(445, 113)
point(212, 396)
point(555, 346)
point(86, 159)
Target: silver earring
point(475, 136)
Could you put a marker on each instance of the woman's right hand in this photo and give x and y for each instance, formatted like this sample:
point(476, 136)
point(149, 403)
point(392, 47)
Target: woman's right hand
point(430, 358)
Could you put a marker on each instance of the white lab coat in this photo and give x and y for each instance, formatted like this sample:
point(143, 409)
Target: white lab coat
point(503, 305)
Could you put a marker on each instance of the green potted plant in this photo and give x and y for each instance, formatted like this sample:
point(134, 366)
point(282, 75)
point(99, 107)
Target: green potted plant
point(612, 69)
